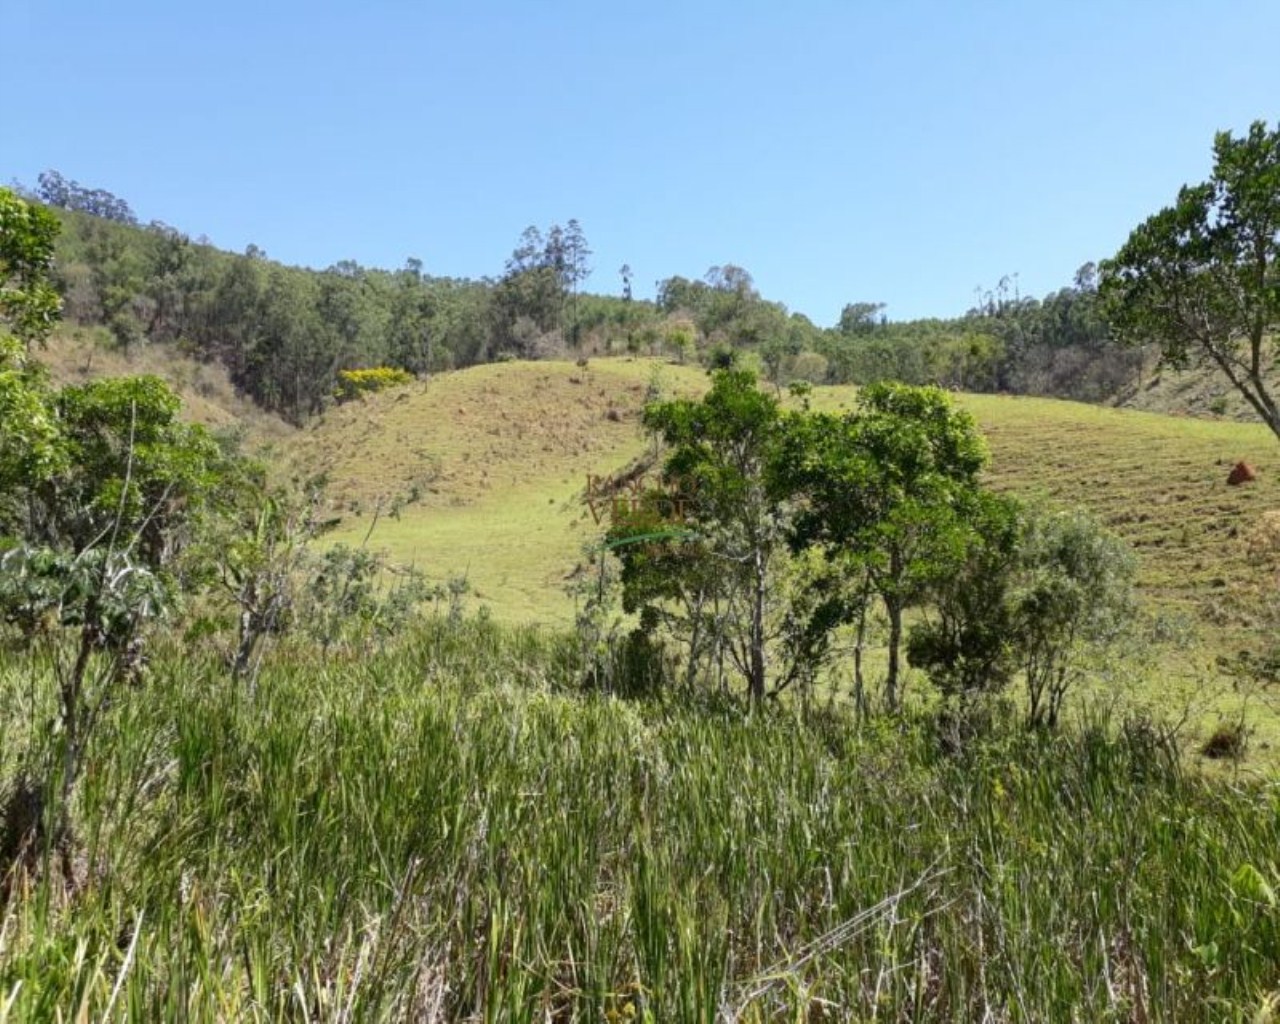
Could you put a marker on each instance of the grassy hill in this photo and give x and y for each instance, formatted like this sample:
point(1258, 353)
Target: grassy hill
point(1198, 391)
point(497, 457)
point(491, 465)
point(495, 460)
point(444, 826)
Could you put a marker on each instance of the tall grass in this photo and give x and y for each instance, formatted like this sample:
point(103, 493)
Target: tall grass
point(445, 832)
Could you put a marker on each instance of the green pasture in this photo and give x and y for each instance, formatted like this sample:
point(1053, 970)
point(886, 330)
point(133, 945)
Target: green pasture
point(499, 457)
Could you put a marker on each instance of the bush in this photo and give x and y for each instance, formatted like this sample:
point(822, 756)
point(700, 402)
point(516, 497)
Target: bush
point(1228, 742)
point(1075, 600)
point(811, 367)
point(357, 383)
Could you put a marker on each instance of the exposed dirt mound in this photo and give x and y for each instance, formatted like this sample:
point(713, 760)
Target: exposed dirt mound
point(1242, 473)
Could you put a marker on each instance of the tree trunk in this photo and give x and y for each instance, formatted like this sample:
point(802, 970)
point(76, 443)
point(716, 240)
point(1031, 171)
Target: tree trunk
point(859, 683)
point(893, 606)
point(757, 630)
point(894, 609)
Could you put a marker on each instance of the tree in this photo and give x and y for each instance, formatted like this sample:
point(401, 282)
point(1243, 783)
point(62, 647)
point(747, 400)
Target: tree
point(776, 352)
point(90, 546)
point(529, 299)
point(1201, 279)
point(1074, 597)
point(55, 190)
point(883, 490)
point(29, 306)
point(263, 547)
point(99, 493)
point(861, 318)
point(722, 450)
point(968, 641)
point(171, 282)
point(681, 338)
point(410, 333)
point(576, 268)
point(117, 274)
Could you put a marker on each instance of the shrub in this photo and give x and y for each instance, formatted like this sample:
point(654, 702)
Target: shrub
point(722, 357)
point(356, 383)
point(1228, 742)
point(811, 367)
point(1075, 599)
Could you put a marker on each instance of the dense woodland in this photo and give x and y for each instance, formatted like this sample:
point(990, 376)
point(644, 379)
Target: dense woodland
point(284, 333)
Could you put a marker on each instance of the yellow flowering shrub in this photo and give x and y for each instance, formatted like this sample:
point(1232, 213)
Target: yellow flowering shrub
point(354, 383)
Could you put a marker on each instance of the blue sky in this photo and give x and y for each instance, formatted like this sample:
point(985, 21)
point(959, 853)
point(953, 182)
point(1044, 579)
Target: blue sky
point(901, 152)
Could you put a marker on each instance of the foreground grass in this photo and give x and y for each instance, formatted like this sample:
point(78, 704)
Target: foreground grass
point(447, 832)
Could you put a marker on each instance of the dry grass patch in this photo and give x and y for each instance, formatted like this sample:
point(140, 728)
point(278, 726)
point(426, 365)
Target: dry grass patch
point(76, 355)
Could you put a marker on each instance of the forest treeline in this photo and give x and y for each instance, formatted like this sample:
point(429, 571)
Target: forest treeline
point(285, 333)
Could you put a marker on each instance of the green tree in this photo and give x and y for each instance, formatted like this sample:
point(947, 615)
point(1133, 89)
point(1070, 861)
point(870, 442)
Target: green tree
point(883, 490)
point(576, 269)
point(861, 318)
point(171, 281)
point(128, 468)
point(1201, 279)
point(775, 353)
point(117, 272)
point(681, 338)
point(99, 492)
point(410, 331)
point(968, 639)
point(543, 273)
point(721, 451)
point(29, 305)
point(29, 308)
point(90, 554)
point(55, 190)
point(1074, 597)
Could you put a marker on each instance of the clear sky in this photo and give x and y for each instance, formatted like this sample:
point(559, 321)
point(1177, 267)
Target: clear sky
point(883, 150)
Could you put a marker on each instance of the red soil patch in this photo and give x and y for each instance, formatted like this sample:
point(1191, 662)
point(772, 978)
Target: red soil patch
point(1242, 473)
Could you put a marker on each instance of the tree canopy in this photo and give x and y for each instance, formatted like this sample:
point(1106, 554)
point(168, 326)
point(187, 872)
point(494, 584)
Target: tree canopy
point(1201, 278)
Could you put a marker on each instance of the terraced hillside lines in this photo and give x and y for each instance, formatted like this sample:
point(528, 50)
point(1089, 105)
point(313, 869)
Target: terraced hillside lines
point(1159, 481)
point(496, 458)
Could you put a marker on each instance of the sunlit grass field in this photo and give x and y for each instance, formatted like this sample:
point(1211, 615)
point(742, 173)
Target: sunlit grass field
point(499, 455)
point(497, 458)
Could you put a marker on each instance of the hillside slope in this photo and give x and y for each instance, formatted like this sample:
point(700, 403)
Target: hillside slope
point(499, 455)
point(495, 461)
point(1199, 391)
point(75, 355)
